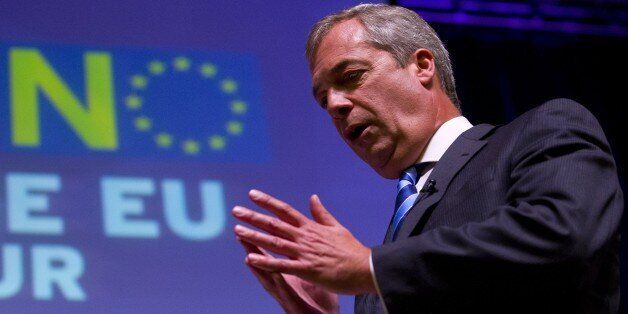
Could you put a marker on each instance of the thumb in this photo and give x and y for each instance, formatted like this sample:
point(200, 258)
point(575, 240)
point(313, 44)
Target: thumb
point(320, 214)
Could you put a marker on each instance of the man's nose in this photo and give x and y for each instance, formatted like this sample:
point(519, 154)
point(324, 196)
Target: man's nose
point(338, 105)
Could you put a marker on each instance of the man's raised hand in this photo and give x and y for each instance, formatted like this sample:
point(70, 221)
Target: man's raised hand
point(320, 251)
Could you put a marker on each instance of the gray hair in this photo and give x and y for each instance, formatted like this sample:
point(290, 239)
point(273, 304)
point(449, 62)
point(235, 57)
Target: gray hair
point(396, 30)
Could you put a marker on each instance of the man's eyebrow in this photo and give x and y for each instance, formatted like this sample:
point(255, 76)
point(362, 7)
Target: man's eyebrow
point(338, 68)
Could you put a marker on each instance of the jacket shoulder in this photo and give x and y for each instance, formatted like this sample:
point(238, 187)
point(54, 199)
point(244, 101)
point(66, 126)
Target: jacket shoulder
point(556, 121)
point(561, 111)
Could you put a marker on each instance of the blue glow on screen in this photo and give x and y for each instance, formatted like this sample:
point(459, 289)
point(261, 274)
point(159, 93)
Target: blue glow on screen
point(128, 130)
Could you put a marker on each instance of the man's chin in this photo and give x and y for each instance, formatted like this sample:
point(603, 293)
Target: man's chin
point(387, 172)
point(381, 163)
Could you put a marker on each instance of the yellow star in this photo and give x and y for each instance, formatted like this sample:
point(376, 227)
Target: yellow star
point(208, 70)
point(143, 123)
point(238, 106)
point(191, 147)
point(234, 127)
point(217, 142)
point(163, 140)
point(181, 63)
point(156, 67)
point(139, 81)
point(133, 102)
point(228, 86)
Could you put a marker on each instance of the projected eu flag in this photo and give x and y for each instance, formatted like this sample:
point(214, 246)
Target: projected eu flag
point(144, 103)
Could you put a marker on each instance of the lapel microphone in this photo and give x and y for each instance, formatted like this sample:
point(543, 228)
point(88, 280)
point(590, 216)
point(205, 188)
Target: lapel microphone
point(429, 187)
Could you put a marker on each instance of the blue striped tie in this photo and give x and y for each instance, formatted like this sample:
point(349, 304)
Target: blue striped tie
point(407, 193)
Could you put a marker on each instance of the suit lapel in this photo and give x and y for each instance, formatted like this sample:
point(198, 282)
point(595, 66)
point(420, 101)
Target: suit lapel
point(456, 156)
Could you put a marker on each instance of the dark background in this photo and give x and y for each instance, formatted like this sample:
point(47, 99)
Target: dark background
point(502, 72)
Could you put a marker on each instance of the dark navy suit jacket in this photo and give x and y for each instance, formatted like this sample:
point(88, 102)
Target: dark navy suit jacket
point(523, 219)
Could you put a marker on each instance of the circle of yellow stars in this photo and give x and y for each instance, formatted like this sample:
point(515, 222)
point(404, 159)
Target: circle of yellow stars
point(166, 140)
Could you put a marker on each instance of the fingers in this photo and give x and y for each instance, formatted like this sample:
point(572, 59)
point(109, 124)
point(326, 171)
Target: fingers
point(269, 224)
point(250, 248)
point(276, 284)
point(273, 243)
point(284, 211)
point(273, 264)
point(265, 278)
point(320, 214)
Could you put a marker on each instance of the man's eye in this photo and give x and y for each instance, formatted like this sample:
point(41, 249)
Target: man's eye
point(354, 75)
point(323, 103)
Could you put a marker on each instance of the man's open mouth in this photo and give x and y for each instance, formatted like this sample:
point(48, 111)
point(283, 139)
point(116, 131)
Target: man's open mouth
point(357, 130)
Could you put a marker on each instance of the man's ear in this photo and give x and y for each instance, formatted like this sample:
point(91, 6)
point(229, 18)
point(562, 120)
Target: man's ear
point(425, 67)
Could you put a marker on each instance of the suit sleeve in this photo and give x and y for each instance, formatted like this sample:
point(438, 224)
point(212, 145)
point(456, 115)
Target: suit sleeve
point(564, 206)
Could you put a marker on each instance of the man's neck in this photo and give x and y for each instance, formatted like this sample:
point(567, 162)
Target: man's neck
point(444, 136)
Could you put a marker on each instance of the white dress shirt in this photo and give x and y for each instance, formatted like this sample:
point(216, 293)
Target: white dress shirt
point(436, 148)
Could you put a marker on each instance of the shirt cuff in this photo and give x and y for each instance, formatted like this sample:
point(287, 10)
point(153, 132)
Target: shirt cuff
point(379, 293)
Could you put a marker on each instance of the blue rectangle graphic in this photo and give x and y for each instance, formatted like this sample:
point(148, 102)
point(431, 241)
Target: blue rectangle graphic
point(86, 101)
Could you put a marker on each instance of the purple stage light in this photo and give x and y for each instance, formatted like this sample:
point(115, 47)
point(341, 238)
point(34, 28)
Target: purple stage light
point(593, 17)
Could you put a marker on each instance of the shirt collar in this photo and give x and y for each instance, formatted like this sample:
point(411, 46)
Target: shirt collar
point(443, 138)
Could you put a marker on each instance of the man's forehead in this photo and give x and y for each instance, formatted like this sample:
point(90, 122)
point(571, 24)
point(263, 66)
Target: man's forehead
point(346, 43)
point(342, 37)
point(350, 31)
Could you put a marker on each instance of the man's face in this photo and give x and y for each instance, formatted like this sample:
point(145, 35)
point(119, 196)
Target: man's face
point(383, 111)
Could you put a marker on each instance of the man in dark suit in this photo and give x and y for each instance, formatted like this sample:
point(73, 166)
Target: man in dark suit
point(518, 218)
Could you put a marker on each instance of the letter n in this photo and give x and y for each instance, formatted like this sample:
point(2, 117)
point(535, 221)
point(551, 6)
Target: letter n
point(93, 123)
